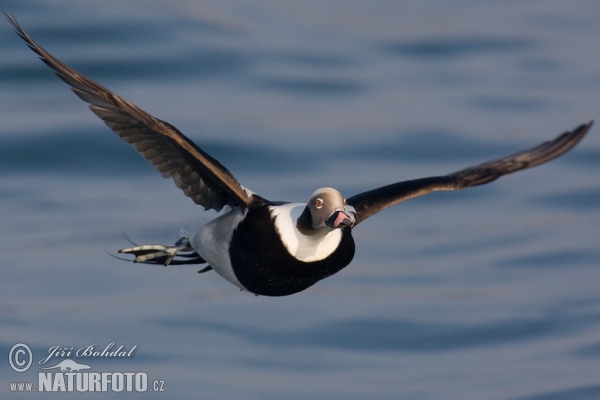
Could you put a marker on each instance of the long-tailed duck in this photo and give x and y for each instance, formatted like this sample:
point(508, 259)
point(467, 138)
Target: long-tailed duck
point(266, 247)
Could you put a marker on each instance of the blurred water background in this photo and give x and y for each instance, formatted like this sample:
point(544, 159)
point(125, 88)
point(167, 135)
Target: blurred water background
point(489, 293)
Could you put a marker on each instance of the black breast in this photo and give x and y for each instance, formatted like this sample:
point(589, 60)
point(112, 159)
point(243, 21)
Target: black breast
point(263, 265)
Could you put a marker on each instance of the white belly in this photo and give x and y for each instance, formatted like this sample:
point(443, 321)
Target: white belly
point(212, 243)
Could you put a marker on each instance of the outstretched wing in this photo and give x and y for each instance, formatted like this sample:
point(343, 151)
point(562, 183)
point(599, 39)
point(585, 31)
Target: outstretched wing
point(202, 178)
point(373, 201)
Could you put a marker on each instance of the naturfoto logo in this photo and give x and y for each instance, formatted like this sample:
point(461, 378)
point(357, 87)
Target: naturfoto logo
point(68, 375)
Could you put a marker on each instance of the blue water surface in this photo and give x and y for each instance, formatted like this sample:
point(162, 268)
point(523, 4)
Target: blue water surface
point(489, 293)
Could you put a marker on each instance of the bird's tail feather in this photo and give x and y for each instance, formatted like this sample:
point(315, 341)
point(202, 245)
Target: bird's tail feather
point(180, 253)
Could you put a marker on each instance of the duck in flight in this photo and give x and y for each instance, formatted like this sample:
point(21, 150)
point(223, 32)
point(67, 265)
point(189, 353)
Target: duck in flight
point(270, 248)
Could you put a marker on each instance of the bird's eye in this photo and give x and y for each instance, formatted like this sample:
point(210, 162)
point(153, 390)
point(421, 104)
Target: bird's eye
point(319, 203)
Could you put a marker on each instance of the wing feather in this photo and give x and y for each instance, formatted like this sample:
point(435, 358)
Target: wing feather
point(369, 203)
point(202, 178)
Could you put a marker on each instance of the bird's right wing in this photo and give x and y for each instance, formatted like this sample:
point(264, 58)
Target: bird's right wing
point(369, 203)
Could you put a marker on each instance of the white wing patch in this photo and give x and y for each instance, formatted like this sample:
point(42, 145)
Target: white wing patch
point(304, 248)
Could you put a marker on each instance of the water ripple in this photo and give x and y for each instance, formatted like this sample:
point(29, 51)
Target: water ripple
point(313, 86)
point(428, 145)
point(583, 200)
point(206, 63)
point(99, 152)
point(553, 259)
point(379, 334)
point(509, 104)
point(456, 47)
point(578, 393)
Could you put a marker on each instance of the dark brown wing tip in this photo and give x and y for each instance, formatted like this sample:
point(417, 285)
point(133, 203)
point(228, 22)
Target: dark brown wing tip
point(578, 133)
point(11, 18)
point(581, 131)
point(13, 21)
point(563, 143)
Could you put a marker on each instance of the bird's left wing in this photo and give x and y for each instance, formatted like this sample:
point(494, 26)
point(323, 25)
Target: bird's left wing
point(202, 178)
point(369, 203)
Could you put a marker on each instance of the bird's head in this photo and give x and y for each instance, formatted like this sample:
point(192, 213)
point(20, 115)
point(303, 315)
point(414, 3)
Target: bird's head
point(326, 210)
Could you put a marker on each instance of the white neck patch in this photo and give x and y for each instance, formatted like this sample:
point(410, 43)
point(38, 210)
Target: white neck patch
point(303, 247)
